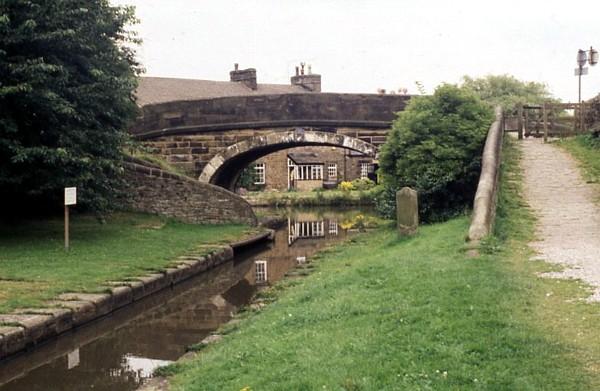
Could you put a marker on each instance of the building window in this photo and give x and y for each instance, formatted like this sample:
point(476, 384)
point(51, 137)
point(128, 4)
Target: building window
point(309, 172)
point(364, 170)
point(259, 174)
point(332, 171)
point(333, 227)
point(260, 271)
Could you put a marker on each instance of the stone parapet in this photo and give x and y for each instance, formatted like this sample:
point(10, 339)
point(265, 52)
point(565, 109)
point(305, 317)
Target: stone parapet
point(296, 109)
point(153, 190)
point(486, 197)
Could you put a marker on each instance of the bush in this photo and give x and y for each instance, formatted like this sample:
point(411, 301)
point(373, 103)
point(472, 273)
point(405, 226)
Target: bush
point(385, 202)
point(363, 184)
point(346, 186)
point(435, 147)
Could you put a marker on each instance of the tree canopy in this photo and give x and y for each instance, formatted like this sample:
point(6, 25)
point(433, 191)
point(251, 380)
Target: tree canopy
point(435, 147)
point(67, 76)
point(507, 91)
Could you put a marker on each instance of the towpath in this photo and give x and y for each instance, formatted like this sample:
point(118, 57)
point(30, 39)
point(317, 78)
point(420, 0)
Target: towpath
point(568, 213)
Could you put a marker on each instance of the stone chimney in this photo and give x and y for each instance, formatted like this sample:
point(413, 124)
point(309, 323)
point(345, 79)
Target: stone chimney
point(246, 76)
point(310, 81)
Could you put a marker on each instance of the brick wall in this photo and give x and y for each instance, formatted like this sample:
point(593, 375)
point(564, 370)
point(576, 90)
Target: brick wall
point(153, 190)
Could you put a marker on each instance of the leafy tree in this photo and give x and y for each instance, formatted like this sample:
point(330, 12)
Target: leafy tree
point(67, 79)
point(507, 91)
point(435, 147)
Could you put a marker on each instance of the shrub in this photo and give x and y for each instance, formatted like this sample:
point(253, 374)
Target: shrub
point(346, 186)
point(363, 184)
point(435, 147)
point(385, 202)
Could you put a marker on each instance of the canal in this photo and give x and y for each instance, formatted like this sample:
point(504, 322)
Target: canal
point(121, 350)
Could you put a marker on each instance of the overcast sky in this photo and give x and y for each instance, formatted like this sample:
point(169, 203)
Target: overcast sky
point(360, 46)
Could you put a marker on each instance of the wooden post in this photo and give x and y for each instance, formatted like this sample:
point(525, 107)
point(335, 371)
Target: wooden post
point(70, 199)
point(67, 227)
point(545, 119)
point(526, 123)
point(520, 122)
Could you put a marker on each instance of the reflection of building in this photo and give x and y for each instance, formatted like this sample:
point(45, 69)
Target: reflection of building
point(310, 229)
point(260, 272)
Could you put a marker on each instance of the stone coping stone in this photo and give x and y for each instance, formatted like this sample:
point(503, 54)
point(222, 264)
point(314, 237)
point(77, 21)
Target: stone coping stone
point(28, 326)
point(102, 301)
point(121, 296)
point(12, 338)
point(269, 235)
point(63, 317)
point(36, 327)
point(83, 311)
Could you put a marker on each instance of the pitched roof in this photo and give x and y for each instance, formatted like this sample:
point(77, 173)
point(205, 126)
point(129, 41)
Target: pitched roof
point(306, 157)
point(152, 90)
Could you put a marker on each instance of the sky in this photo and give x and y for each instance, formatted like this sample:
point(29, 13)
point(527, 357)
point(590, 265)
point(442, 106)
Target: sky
point(361, 46)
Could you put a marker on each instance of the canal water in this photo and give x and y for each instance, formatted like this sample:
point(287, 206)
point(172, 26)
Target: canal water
point(121, 350)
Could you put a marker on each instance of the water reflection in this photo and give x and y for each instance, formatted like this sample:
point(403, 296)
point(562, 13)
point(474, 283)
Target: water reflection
point(120, 351)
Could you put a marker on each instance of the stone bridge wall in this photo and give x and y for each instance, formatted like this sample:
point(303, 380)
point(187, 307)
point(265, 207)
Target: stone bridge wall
point(192, 152)
point(153, 190)
point(284, 110)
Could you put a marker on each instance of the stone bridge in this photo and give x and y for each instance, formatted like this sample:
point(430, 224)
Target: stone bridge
point(214, 139)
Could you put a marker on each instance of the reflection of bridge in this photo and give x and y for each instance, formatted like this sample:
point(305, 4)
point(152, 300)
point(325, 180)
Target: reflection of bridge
point(216, 138)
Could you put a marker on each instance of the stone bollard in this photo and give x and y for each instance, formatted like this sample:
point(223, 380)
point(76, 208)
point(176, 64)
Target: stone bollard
point(407, 211)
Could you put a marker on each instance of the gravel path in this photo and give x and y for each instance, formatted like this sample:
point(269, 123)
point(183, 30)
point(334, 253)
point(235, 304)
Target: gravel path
point(568, 226)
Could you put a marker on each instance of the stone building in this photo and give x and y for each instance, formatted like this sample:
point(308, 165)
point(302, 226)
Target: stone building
point(302, 168)
point(308, 168)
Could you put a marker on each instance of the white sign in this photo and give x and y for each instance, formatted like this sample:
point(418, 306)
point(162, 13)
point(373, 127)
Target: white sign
point(584, 71)
point(70, 196)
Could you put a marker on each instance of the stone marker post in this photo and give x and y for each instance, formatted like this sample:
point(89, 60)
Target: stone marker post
point(407, 211)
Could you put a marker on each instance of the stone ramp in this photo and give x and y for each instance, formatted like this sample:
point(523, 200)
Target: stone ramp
point(568, 226)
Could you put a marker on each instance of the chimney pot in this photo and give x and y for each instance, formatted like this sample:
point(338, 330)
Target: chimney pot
point(236, 66)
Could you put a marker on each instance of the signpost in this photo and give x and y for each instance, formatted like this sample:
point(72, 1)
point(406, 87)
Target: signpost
point(70, 199)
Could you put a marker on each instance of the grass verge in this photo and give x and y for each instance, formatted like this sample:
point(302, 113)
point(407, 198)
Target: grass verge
point(34, 266)
point(312, 198)
point(586, 150)
point(383, 313)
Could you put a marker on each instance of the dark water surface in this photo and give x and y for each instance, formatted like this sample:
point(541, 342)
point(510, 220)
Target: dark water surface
point(121, 350)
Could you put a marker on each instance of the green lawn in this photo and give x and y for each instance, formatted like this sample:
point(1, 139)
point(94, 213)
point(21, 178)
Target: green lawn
point(382, 313)
point(34, 266)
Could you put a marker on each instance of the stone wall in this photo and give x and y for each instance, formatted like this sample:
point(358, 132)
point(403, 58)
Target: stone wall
point(327, 109)
point(153, 190)
point(192, 152)
point(486, 197)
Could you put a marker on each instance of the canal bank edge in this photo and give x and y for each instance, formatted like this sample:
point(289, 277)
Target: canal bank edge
point(27, 327)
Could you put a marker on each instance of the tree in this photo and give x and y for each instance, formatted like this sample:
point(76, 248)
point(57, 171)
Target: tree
point(507, 91)
point(435, 147)
point(67, 79)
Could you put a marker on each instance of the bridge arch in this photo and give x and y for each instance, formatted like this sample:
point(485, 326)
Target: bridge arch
point(225, 168)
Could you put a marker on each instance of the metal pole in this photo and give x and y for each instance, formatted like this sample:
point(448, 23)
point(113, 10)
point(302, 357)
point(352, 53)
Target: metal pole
point(580, 71)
